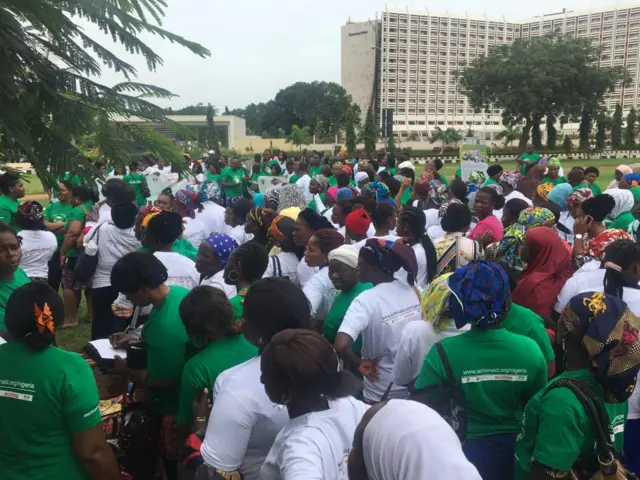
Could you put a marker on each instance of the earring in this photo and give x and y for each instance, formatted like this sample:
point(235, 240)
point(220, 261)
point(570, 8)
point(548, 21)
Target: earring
point(260, 341)
point(285, 400)
point(233, 278)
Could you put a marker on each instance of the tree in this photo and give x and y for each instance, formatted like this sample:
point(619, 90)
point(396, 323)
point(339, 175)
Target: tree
point(369, 132)
point(551, 132)
point(351, 118)
point(602, 123)
point(510, 134)
point(226, 110)
point(533, 78)
point(213, 142)
point(585, 130)
point(536, 134)
point(281, 133)
point(197, 109)
point(299, 136)
point(48, 105)
point(391, 145)
point(439, 135)
point(567, 144)
point(318, 130)
point(616, 128)
point(470, 132)
point(453, 136)
point(631, 129)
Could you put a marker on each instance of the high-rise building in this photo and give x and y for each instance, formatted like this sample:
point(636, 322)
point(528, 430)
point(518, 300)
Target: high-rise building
point(407, 61)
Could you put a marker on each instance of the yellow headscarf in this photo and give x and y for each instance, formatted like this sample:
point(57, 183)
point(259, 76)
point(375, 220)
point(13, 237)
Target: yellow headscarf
point(543, 190)
point(291, 212)
point(435, 303)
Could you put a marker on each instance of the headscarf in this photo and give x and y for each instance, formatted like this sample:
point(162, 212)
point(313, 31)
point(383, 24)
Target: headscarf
point(624, 201)
point(271, 198)
point(263, 218)
point(494, 186)
point(547, 272)
point(212, 192)
point(282, 228)
point(532, 217)
point(381, 191)
point(361, 176)
point(291, 196)
point(358, 222)
point(322, 181)
point(345, 254)
point(314, 220)
point(632, 179)
point(479, 291)
point(455, 251)
point(31, 210)
point(333, 193)
point(554, 162)
point(392, 256)
point(434, 303)
point(507, 250)
point(223, 245)
point(406, 164)
point(578, 196)
point(189, 201)
point(445, 205)
point(291, 212)
point(348, 169)
point(437, 192)
point(408, 440)
point(476, 178)
point(624, 169)
point(148, 213)
point(258, 199)
point(609, 335)
point(559, 195)
point(543, 190)
point(599, 244)
point(344, 194)
point(421, 188)
point(511, 179)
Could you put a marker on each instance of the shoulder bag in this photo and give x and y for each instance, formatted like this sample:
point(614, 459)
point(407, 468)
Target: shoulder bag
point(88, 258)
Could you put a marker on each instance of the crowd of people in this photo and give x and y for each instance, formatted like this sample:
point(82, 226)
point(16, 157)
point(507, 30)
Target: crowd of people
point(358, 319)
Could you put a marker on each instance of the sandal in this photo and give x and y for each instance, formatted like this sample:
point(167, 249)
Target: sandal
point(69, 325)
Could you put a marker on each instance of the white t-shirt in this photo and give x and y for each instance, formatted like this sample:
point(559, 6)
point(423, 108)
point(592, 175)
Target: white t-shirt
point(239, 235)
point(435, 232)
point(217, 281)
point(243, 422)
point(182, 270)
point(432, 217)
point(315, 446)
point(303, 184)
point(421, 258)
point(320, 292)
point(517, 194)
point(212, 215)
point(113, 244)
point(380, 315)
point(155, 169)
point(305, 272)
point(415, 342)
point(567, 220)
point(288, 266)
point(38, 246)
point(194, 231)
point(104, 213)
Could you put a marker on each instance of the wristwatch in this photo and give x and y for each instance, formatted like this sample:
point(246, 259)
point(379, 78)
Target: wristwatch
point(578, 236)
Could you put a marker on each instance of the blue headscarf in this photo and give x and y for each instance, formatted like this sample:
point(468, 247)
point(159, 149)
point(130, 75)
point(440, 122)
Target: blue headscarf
point(223, 245)
point(258, 200)
point(345, 194)
point(381, 191)
point(559, 195)
point(479, 291)
point(632, 177)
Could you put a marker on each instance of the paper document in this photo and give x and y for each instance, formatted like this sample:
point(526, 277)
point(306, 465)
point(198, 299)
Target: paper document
point(106, 351)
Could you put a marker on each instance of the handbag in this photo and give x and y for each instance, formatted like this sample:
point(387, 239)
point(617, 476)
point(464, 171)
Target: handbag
point(88, 259)
point(144, 188)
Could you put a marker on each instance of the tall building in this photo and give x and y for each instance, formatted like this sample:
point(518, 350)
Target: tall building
point(406, 61)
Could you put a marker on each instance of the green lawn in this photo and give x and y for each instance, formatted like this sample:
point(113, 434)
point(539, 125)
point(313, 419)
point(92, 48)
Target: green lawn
point(32, 184)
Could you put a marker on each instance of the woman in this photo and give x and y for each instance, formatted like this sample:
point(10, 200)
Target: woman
point(356, 227)
point(258, 223)
point(574, 203)
point(400, 439)
point(213, 255)
point(542, 192)
point(11, 275)
point(598, 336)
point(142, 278)
point(11, 190)
point(621, 212)
point(164, 201)
point(185, 204)
point(233, 181)
point(138, 183)
point(454, 249)
point(384, 220)
point(55, 220)
point(213, 211)
point(285, 263)
point(207, 316)
point(621, 171)
point(235, 218)
point(61, 393)
point(307, 223)
point(240, 403)
point(301, 371)
point(82, 205)
point(548, 268)
point(113, 191)
point(380, 315)
point(553, 170)
point(339, 212)
point(246, 265)
point(489, 229)
point(559, 195)
point(411, 225)
point(113, 241)
point(480, 296)
point(318, 188)
point(319, 289)
point(38, 245)
point(290, 196)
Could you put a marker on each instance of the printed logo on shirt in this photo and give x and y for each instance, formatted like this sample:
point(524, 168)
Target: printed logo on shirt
point(398, 316)
point(495, 374)
point(617, 426)
point(17, 390)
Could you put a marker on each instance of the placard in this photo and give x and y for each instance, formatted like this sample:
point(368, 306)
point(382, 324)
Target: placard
point(266, 183)
point(473, 158)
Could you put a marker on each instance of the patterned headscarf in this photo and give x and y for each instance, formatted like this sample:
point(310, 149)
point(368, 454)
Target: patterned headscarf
point(213, 192)
point(479, 291)
point(290, 196)
point(435, 303)
point(282, 228)
point(609, 334)
point(476, 178)
point(189, 201)
point(543, 190)
point(599, 244)
point(532, 217)
point(223, 245)
point(263, 218)
point(322, 181)
point(271, 198)
point(392, 256)
point(578, 196)
point(508, 249)
point(559, 195)
point(381, 191)
point(148, 213)
point(437, 192)
point(445, 205)
point(31, 211)
point(511, 178)
point(494, 186)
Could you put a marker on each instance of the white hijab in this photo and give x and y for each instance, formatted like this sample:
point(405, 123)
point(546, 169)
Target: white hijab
point(624, 201)
point(407, 439)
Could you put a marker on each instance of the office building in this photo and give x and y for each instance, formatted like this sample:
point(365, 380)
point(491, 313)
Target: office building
point(407, 61)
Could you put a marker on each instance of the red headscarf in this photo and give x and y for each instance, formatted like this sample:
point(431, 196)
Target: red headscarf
point(550, 267)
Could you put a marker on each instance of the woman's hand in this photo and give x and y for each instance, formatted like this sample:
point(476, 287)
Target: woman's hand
point(122, 340)
point(581, 225)
point(121, 311)
point(369, 369)
point(201, 405)
point(486, 239)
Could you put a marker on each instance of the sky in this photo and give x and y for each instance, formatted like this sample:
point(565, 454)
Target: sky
point(259, 47)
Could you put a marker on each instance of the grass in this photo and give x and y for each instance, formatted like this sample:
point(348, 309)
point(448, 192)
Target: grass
point(76, 338)
point(32, 185)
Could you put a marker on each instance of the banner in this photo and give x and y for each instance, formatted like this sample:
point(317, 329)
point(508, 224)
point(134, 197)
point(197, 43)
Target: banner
point(266, 183)
point(473, 158)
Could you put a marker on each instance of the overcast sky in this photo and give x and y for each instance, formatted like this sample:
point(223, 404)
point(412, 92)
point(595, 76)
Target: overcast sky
point(258, 47)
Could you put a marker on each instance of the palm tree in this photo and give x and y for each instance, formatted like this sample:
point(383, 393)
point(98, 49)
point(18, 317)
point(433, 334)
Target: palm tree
point(439, 135)
point(299, 136)
point(510, 134)
point(453, 136)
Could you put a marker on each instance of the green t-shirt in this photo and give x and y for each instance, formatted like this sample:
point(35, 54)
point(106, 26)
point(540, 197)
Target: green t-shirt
point(165, 339)
point(46, 396)
point(623, 221)
point(526, 322)
point(333, 181)
point(237, 303)
point(444, 179)
point(137, 181)
point(6, 289)
point(336, 314)
point(182, 246)
point(581, 186)
point(556, 430)
point(312, 204)
point(554, 181)
point(595, 188)
point(78, 214)
point(229, 175)
point(8, 211)
point(406, 196)
point(528, 157)
point(202, 370)
point(58, 212)
point(313, 171)
point(503, 373)
point(213, 178)
point(294, 178)
point(489, 181)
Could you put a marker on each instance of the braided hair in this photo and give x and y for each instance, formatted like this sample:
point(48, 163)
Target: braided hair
point(417, 221)
point(164, 228)
point(620, 255)
point(252, 259)
point(207, 314)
